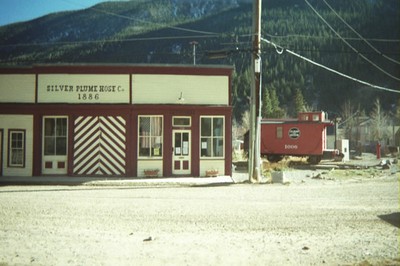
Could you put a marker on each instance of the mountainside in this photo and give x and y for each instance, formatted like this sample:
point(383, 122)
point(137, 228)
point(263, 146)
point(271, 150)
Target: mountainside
point(160, 31)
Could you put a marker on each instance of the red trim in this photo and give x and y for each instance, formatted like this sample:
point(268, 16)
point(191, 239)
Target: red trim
point(167, 141)
point(70, 163)
point(36, 88)
point(60, 165)
point(228, 144)
point(230, 89)
point(17, 70)
point(37, 145)
point(122, 69)
point(48, 165)
point(1, 151)
point(196, 144)
point(132, 145)
point(181, 110)
point(130, 89)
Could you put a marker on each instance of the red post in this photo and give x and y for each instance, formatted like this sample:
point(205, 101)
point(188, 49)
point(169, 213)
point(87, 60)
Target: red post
point(378, 150)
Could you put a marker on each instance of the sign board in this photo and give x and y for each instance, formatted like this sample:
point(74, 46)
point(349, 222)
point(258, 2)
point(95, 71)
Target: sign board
point(83, 88)
point(294, 133)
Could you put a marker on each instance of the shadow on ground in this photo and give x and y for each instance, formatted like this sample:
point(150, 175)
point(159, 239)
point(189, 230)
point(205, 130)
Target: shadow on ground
point(392, 218)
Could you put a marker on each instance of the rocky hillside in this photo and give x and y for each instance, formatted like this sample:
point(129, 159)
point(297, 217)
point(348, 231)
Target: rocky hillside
point(160, 31)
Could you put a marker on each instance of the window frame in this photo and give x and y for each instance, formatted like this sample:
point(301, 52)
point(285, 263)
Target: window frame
point(181, 117)
point(55, 135)
point(212, 137)
point(10, 148)
point(139, 136)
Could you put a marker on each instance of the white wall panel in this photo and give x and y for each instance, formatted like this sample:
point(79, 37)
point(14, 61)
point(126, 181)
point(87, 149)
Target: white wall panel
point(212, 165)
point(23, 122)
point(149, 165)
point(17, 88)
point(166, 89)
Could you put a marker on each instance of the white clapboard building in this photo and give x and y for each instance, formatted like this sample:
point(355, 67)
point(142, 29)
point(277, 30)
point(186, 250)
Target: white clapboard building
point(115, 120)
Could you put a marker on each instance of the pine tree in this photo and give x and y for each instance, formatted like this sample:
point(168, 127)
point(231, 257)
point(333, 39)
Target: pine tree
point(276, 110)
point(267, 104)
point(299, 101)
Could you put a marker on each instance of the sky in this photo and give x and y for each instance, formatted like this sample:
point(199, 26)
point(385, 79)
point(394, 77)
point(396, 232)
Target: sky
point(22, 10)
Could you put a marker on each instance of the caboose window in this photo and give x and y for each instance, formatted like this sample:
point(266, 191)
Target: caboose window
point(315, 117)
point(304, 117)
point(279, 132)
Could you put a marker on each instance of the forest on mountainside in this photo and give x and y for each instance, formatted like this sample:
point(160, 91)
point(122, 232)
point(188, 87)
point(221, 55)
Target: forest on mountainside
point(160, 32)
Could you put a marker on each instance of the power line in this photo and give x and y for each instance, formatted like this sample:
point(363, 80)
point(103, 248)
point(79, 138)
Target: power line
point(359, 35)
point(144, 21)
point(205, 34)
point(348, 44)
point(331, 37)
point(280, 50)
point(112, 41)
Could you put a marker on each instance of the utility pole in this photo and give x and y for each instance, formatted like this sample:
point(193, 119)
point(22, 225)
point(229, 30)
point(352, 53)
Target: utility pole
point(194, 43)
point(255, 96)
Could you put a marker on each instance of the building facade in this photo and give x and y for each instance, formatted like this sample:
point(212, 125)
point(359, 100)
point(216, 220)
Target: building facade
point(115, 120)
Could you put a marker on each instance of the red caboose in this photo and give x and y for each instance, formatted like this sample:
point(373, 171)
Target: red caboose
point(304, 136)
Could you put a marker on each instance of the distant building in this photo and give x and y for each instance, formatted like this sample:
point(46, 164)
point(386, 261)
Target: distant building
point(362, 139)
point(238, 144)
point(115, 120)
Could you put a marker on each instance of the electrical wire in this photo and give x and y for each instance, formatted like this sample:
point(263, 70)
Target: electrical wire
point(331, 37)
point(280, 50)
point(360, 36)
point(111, 40)
point(143, 21)
point(205, 34)
point(348, 44)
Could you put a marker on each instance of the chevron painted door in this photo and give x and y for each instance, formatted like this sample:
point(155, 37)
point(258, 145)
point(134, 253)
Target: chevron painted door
point(99, 145)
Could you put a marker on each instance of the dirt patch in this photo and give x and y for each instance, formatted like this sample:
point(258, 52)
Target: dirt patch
point(320, 217)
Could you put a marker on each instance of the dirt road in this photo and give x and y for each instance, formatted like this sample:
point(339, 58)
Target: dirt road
point(311, 222)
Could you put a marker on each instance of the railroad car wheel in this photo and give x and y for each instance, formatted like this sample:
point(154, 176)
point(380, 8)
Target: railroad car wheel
point(314, 159)
point(274, 158)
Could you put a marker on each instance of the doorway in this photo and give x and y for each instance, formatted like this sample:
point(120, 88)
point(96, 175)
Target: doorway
point(181, 158)
point(55, 146)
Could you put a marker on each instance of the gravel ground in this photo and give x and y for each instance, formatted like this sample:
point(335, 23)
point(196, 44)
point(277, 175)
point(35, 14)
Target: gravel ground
point(326, 221)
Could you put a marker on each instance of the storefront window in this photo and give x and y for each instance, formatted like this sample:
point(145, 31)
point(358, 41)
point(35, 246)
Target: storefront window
point(17, 148)
point(212, 136)
point(150, 136)
point(55, 136)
